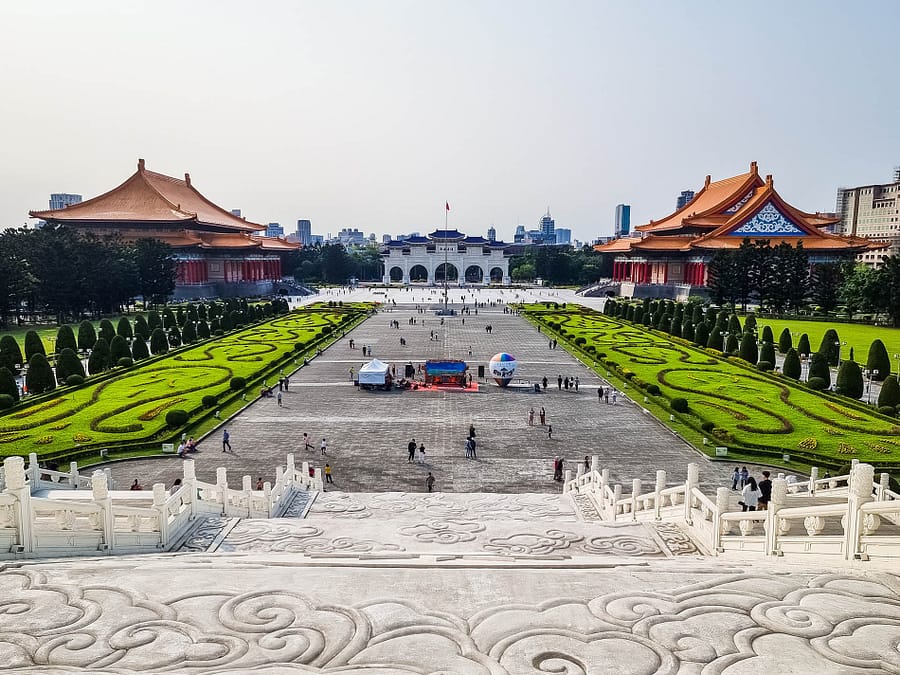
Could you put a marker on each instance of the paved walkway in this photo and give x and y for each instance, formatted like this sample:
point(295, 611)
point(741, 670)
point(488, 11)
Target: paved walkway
point(368, 432)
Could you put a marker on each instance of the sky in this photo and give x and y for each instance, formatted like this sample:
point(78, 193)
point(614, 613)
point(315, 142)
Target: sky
point(373, 114)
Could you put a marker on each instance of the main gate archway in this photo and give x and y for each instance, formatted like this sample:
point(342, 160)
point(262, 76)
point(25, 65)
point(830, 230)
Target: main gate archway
point(496, 275)
point(396, 274)
point(418, 274)
point(452, 274)
point(474, 274)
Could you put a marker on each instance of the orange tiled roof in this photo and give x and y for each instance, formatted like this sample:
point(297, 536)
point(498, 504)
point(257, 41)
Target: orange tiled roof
point(616, 245)
point(224, 240)
point(152, 198)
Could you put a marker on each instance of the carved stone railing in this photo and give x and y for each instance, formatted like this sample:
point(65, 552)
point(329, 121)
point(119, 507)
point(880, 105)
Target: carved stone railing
point(72, 520)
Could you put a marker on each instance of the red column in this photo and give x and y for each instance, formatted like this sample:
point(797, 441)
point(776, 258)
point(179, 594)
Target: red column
point(702, 279)
point(666, 272)
point(615, 272)
point(688, 268)
point(278, 268)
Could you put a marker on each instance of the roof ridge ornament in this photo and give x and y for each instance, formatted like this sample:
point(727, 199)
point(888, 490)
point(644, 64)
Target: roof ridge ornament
point(140, 164)
point(753, 169)
point(770, 182)
point(187, 178)
point(705, 183)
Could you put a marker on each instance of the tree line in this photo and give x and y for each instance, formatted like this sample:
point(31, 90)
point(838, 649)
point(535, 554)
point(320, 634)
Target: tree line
point(68, 274)
point(560, 265)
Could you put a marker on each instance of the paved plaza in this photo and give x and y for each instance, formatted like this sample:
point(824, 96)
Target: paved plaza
point(367, 432)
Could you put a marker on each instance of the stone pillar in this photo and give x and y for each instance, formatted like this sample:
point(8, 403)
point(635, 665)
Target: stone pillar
point(304, 477)
point(566, 478)
point(861, 479)
point(657, 497)
point(267, 494)
point(100, 489)
point(776, 503)
point(635, 495)
point(222, 488)
point(23, 518)
point(289, 471)
point(693, 479)
point(579, 470)
point(595, 463)
point(73, 475)
point(813, 477)
point(720, 526)
point(884, 483)
point(34, 471)
point(247, 489)
point(189, 494)
point(160, 497)
point(617, 495)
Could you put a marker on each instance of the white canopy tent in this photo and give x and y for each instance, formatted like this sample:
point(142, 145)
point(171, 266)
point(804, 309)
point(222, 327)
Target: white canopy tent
point(373, 372)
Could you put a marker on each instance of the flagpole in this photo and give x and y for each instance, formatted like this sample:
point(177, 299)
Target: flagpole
point(446, 267)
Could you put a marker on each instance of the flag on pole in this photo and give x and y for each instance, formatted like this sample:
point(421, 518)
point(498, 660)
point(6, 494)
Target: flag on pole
point(448, 205)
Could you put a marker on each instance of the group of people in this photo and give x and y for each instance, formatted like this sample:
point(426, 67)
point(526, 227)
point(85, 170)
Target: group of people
point(567, 382)
point(186, 446)
point(604, 394)
point(754, 496)
point(416, 453)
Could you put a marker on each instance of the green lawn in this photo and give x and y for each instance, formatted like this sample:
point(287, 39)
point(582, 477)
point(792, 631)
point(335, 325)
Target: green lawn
point(745, 408)
point(132, 406)
point(858, 336)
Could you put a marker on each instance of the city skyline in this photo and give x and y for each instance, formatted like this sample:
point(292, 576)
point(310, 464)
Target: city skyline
point(372, 115)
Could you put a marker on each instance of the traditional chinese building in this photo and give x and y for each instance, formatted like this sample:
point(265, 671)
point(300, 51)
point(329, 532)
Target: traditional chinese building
point(674, 252)
point(446, 253)
point(219, 254)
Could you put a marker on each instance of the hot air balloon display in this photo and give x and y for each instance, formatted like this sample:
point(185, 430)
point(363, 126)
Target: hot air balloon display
point(502, 367)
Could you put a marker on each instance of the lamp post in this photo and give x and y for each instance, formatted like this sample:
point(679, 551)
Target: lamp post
point(838, 343)
point(869, 374)
point(804, 367)
point(897, 356)
point(52, 341)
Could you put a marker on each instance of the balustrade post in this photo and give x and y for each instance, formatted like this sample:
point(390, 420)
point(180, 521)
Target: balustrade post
point(23, 517)
point(34, 471)
point(110, 483)
point(318, 484)
point(617, 495)
point(635, 494)
point(777, 500)
point(604, 482)
point(566, 478)
point(595, 463)
point(693, 479)
point(813, 477)
point(189, 493)
point(304, 477)
point(267, 493)
point(579, 470)
point(884, 483)
point(100, 490)
point(247, 489)
point(222, 489)
point(657, 494)
point(861, 479)
point(290, 471)
point(73, 475)
point(160, 499)
point(720, 526)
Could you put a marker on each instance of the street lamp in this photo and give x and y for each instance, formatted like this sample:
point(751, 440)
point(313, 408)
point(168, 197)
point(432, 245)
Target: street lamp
point(838, 343)
point(804, 367)
point(869, 374)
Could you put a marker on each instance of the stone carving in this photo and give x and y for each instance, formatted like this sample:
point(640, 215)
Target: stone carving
point(676, 539)
point(621, 545)
point(204, 533)
point(444, 531)
point(286, 537)
point(730, 623)
point(532, 544)
point(586, 508)
point(298, 503)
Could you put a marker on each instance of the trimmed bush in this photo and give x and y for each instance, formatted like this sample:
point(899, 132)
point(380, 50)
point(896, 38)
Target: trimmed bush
point(189, 334)
point(818, 368)
point(887, 410)
point(765, 366)
point(784, 341)
point(107, 331)
point(792, 367)
point(731, 344)
point(714, 341)
point(708, 426)
point(87, 336)
point(817, 383)
point(734, 325)
point(767, 335)
point(890, 392)
point(209, 401)
point(749, 351)
point(118, 349)
point(680, 405)
point(65, 339)
point(39, 377)
point(878, 360)
point(177, 418)
point(849, 380)
point(168, 319)
point(803, 346)
point(99, 360)
point(33, 345)
point(767, 353)
point(8, 384)
point(123, 328)
point(750, 323)
point(74, 380)
point(6, 401)
point(203, 330)
point(153, 321)
point(125, 362)
point(237, 383)
point(687, 332)
point(10, 354)
point(174, 336)
point(159, 344)
point(830, 346)
point(141, 327)
point(139, 349)
point(653, 390)
point(68, 363)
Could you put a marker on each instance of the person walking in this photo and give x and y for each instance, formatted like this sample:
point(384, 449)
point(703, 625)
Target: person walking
point(429, 482)
point(324, 446)
point(576, 384)
point(549, 431)
point(735, 478)
point(278, 398)
point(765, 491)
point(543, 416)
point(328, 474)
point(226, 440)
point(259, 483)
point(544, 383)
point(587, 464)
point(599, 394)
point(744, 476)
point(472, 445)
point(469, 448)
point(420, 458)
point(606, 394)
point(749, 495)
point(531, 417)
point(559, 382)
point(615, 397)
point(411, 449)
point(471, 431)
point(306, 444)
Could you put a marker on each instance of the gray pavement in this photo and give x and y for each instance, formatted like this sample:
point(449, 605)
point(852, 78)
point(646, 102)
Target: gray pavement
point(368, 432)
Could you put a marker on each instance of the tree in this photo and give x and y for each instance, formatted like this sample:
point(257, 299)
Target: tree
point(825, 285)
point(767, 353)
point(189, 334)
point(141, 328)
point(139, 349)
point(39, 378)
point(803, 347)
point(767, 335)
point(123, 328)
point(155, 270)
point(99, 360)
point(87, 337)
point(750, 323)
point(849, 380)
point(723, 280)
point(107, 331)
point(749, 350)
point(792, 367)
point(68, 363)
point(861, 289)
point(878, 362)
point(33, 345)
point(830, 346)
point(159, 343)
point(818, 367)
point(118, 349)
point(701, 334)
point(153, 321)
point(890, 392)
point(65, 339)
point(10, 354)
point(8, 384)
point(784, 341)
point(714, 341)
point(734, 325)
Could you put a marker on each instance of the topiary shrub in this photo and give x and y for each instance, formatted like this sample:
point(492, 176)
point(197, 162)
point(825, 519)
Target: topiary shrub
point(39, 377)
point(653, 390)
point(139, 349)
point(792, 367)
point(125, 362)
point(887, 410)
point(118, 349)
point(87, 336)
point(107, 331)
point(748, 350)
point(176, 418)
point(74, 380)
point(679, 405)
point(209, 401)
point(878, 361)
point(174, 336)
point(99, 360)
point(33, 345)
point(750, 323)
point(849, 380)
point(817, 383)
point(123, 328)
point(765, 366)
point(189, 334)
point(6, 401)
point(708, 426)
point(701, 334)
point(237, 383)
point(784, 341)
point(141, 327)
point(767, 353)
point(65, 339)
point(830, 346)
point(818, 367)
point(68, 363)
point(10, 354)
point(8, 384)
point(218, 332)
point(580, 340)
point(158, 342)
point(731, 344)
point(803, 346)
point(203, 330)
point(767, 335)
point(890, 392)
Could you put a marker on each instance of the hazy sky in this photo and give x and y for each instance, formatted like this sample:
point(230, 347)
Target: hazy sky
point(372, 114)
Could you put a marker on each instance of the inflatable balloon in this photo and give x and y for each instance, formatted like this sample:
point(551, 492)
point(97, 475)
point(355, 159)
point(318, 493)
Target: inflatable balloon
point(503, 367)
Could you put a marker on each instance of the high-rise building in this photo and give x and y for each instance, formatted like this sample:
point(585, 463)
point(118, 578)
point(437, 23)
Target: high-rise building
point(873, 212)
point(519, 236)
point(304, 232)
point(60, 200)
point(547, 227)
point(274, 230)
point(492, 234)
point(563, 235)
point(684, 198)
point(623, 220)
point(236, 212)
